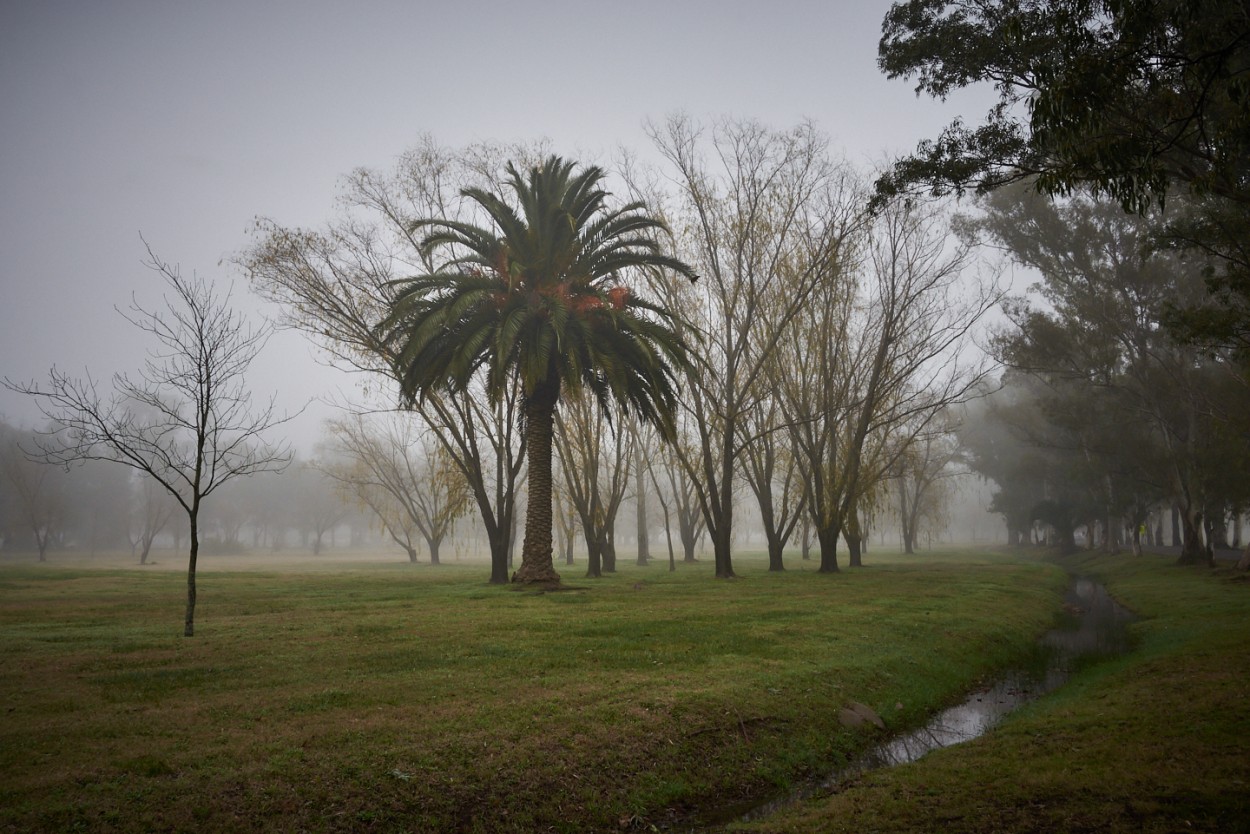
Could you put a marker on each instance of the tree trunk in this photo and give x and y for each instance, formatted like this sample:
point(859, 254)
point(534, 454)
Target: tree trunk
point(594, 557)
point(512, 540)
point(775, 547)
point(723, 552)
point(434, 545)
point(1219, 529)
point(500, 548)
point(536, 551)
point(189, 627)
point(1192, 550)
point(854, 549)
point(412, 553)
point(827, 537)
point(672, 555)
point(609, 552)
point(854, 539)
point(685, 528)
point(905, 517)
point(644, 544)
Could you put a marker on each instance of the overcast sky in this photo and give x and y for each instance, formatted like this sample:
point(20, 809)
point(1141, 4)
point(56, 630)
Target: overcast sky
point(184, 121)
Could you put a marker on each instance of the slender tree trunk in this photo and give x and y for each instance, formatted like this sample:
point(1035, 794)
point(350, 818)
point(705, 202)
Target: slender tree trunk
point(412, 553)
point(685, 525)
point(904, 514)
point(537, 567)
point(189, 627)
point(609, 551)
point(512, 543)
point(854, 539)
point(644, 543)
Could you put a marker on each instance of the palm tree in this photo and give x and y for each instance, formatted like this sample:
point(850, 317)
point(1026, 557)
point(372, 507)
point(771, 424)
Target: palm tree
point(538, 300)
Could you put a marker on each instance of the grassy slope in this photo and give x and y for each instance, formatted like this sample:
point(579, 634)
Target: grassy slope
point(407, 697)
point(1157, 741)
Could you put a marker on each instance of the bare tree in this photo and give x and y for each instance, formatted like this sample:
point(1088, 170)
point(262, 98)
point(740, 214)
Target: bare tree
point(775, 477)
point(319, 506)
point(186, 419)
point(404, 477)
point(883, 355)
point(675, 490)
point(36, 496)
point(928, 460)
point(150, 511)
point(596, 464)
point(753, 205)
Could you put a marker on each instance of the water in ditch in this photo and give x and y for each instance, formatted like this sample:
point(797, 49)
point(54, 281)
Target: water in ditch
point(1093, 627)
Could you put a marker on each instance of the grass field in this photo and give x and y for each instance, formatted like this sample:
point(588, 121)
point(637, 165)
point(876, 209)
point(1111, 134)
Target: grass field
point(1155, 741)
point(397, 697)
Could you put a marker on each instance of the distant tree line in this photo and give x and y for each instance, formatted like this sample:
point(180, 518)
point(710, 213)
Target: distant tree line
point(1108, 420)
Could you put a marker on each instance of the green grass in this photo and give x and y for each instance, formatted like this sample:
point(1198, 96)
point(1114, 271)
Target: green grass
point(1155, 741)
point(410, 698)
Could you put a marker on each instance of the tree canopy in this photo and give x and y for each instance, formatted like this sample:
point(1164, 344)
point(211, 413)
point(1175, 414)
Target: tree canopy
point(1133, 99)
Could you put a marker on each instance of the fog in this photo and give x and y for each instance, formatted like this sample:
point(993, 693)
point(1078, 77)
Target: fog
point(102, 515)
point(184, 123)
point(128, 126)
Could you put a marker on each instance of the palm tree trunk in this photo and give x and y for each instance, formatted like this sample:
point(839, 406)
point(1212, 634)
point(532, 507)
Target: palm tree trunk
point(536, 551)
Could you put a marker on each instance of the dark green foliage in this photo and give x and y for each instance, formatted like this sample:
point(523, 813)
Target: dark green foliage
point(1138, 100)
point(1127, 96)
point(542, 297)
